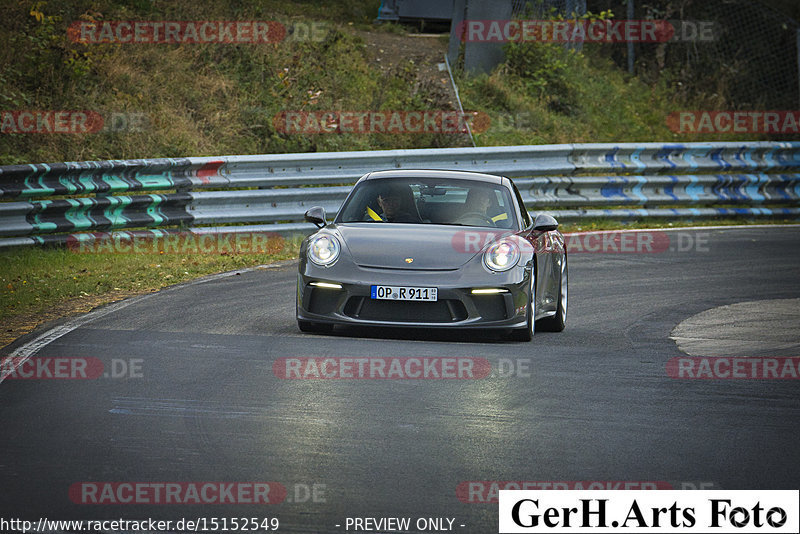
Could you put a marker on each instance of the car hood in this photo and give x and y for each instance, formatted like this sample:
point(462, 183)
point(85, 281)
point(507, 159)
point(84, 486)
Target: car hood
point(430, 246)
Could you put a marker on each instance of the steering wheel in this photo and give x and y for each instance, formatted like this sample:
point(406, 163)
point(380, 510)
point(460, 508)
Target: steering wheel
point(472, 216)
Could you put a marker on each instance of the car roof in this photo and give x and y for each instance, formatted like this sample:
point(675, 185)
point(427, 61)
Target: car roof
point(432, 173)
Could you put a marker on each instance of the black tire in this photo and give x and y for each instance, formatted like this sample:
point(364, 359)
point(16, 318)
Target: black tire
point(309, 327)
point(526, 333)
point(557, 322)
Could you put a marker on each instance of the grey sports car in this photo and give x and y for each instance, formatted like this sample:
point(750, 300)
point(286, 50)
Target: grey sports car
point(433, 249)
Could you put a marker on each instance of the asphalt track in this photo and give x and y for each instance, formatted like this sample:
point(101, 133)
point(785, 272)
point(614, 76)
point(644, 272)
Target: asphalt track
point(595, 402)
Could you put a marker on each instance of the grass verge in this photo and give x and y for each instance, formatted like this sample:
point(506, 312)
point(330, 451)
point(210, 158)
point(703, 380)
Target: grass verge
point(40, 285)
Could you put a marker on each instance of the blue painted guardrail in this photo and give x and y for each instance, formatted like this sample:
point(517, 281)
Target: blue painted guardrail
point(49, 203)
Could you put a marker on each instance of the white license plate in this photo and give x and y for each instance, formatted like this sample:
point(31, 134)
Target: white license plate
point(427, 294)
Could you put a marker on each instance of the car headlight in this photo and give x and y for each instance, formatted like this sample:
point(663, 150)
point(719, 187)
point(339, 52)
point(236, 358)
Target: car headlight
point(501, 256)
point(323, 250)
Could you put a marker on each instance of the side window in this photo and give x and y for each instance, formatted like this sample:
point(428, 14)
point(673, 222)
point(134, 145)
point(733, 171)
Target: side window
point(526, 219)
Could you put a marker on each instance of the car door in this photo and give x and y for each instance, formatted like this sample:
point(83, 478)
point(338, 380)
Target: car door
point(547, 247)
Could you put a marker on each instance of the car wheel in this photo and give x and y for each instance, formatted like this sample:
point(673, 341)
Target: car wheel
point(526, 334)
point(309, 327)
point(557, 322)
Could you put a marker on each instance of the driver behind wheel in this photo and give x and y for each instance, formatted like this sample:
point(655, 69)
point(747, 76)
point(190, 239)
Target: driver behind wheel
point(483, 202)
point(397, 204)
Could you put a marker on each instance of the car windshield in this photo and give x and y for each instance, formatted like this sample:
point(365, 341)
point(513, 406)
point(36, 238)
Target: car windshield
point(430, 201)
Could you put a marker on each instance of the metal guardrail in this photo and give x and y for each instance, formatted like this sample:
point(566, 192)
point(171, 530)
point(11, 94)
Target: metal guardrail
point(270, 193)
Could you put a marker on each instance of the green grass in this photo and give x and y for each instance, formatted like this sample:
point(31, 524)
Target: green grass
point(32, 280)
point(545, 94)
point(196, 99)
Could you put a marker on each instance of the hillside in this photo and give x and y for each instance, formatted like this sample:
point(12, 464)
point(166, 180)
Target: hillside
point(195, 99)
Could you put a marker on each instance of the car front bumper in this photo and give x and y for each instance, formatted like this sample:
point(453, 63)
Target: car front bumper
point(456, 306)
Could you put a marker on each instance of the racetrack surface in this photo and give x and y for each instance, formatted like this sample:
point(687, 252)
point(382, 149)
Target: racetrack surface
point(594, 403)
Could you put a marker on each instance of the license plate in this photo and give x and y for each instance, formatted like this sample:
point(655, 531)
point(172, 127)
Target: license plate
point(427, 294)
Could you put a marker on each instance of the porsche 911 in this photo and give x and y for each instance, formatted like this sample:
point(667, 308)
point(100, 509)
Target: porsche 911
point(433, 249)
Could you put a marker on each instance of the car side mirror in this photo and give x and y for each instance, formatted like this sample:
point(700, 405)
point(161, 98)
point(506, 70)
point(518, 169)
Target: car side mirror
point(316, 215)
point(545, 223)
